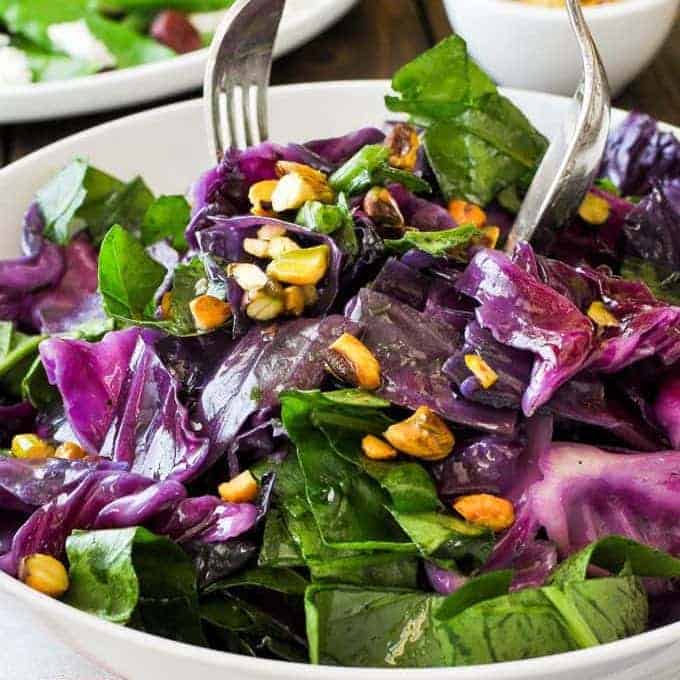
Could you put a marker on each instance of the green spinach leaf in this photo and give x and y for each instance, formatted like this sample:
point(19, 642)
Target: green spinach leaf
point(18, 351)
point(167, 218)
point(663, 281)
point(125, 575)
point(448, 242)
point(128, 277)
point(284, 581)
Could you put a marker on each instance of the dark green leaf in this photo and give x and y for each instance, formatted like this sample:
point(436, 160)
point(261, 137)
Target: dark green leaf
point(278, 547)
point(167, 218)
point(128, 277)
point(484, 587)
point(385, 174)
point(356, 397)
point(35, 386)
point(118, 573)
point(356, 174)
point(386, 570)
point(662, 280)
point(284, 581)
point(448, 242)
point(18, 351)
point(374, 628)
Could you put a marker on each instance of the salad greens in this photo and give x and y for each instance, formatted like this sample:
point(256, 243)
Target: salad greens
point(71, 38)
point(350, 430)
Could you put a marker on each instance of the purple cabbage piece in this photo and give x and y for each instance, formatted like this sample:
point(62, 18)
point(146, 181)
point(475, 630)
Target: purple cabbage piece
point(638, 154)
point(481, 465)
point(130, 410)
point(421, 213)
point(28, 484)
point(651, 230)
point(266, 360)
point(667, 407)
point(224, 239)
point(15, 419)
point(403, 283)
point(412, 348)
point(115, 499)
point(75, 300)
point(526, 314)
point(444, 581)
point(42, 264)
point(337, 150)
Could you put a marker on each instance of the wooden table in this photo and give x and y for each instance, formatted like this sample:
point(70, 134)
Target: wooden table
point(372, 41)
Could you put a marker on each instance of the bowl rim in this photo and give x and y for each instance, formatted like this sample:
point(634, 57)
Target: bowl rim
point(606, 11)
point(527, 669)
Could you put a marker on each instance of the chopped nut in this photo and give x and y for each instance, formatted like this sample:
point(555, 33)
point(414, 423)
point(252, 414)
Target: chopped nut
point(30, 446)
point(280, 245)
point(260, 195)
point(486, 510)
point(201, 287)
point(256, 247)
point(166, 305)
point(248, 276)
point(350, 360)
point(594, 209)
point(209, 312)
point(241, 489)
point(311, 295)
point(424, 435)
point(70, 451)
point(486, 376)
point(381, 207)
point(403, 142)
point(467, 213)
point(294, 300)
point(265, 307)
point(491, 236)
point(45, 574)
point(599, 313)
point(376, 449)
point(299, 184)
point(269, 231)
point(306, 266)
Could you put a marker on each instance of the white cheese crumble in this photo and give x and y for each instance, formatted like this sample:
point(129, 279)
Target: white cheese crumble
point(207, 22)
point(14, 68)
point(4, 40)
point(75, 39)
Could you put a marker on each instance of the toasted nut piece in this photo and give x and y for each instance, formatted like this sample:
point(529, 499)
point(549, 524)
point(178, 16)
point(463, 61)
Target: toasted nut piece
point(486, 376)
point(303, 267)
point(311, 295)
point(424, 435)
point(294, 300)
point(260, 195)
point(201, 287)
point(350, 360)
point(269, 231)
point(376, 449)
point(209, 312)
point(256, 247)
point(265, 307)
point(241, 489)
point(280, 245)
point(491, 236)
point(299, 184)
point(45, 574)
point(599, 313)
point(248, 276)
point(381, 207)
point(467, 213)
point(486, 510)
point(166, 305)
point(30, 446)
point(594, 209)
point(70, 451)
point(403, 142)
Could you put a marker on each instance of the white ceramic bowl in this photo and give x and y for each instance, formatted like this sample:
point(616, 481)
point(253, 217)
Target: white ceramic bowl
point(532, 47)
point(169, 148)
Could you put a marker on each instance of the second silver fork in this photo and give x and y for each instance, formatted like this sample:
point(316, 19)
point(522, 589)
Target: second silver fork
point(237, 74)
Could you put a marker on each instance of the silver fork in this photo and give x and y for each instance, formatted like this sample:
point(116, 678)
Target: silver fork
point(237, 74)
point(573, 158)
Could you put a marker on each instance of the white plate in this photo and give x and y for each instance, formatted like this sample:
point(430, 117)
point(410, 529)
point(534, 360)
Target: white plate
point(168, 147)
point(302, 21)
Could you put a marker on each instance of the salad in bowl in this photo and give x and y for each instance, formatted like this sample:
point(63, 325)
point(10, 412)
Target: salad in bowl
point(44, 40)
point(316, 414)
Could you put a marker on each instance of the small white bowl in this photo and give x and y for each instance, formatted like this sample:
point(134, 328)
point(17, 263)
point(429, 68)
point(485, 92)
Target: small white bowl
point(532, 47)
